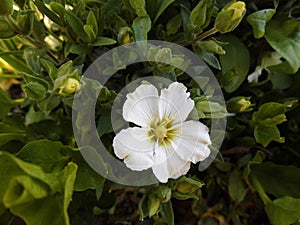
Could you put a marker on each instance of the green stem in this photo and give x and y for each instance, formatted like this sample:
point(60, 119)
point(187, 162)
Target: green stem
point(31, 41)
point(19, 101)
point(6, 76)
point(206, 34)
point(200, 37)
point(264, 197)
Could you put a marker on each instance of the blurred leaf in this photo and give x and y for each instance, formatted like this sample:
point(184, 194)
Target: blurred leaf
point(284, 37)
point(76, 25)
point(168, 213)
point(201, 15)
point(139, 6)
point(236, 188)
point(270, 114)
point(141, 26)
point(258, 20)
point(174, 24)
point(101, 41)
point(283, 211)
point(87, 177)
point(16, 62)
point(6, 137)
point(237, 60)
point(6, 30)
point(6, 103)
point(33, 116)
point(34, 90)
point(156, 7)
point(43, 9)
point(45, 154)
point(111, 8)
point(209, 58)
point(277, 180)
point(265, 134)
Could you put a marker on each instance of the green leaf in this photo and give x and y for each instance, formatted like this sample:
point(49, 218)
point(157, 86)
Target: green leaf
point(139, 6)
point(201, 14)
point(277, 180)
point(76, 25)
point(174, 24)
point(92, 21)
point(141, 26)
point(45, 154)
point(156, 7)
point(35, 196)
point(210, 109)
point(111, 8)
point(283, 211)
point(87, 177)
point(258, 20)
point(168, 213)
point(270, 114)
point(65, 69)
point(7, 137)
point(266, 134)
point(34, 90)
point(209, 58)
point(24, 189)
point(211, 46)
point(50, 68)
point(33, 116)
point(43, 9)
point(284, 37)
point(236, 60)
point(16, 62)
point(48, 104)
point(53, 156)
point(6, 103)
point(101, 41)
point(236, 188)
point(51, 210)
point(6, 31)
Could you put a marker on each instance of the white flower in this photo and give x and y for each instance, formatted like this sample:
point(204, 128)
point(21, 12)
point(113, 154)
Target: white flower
point(164, 140)
point(268, 59)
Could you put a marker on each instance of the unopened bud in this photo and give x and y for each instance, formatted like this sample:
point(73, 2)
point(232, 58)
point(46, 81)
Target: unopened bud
point(125, 35)
point(239, 104)
point(34, 90)
point(230, 16)
point(69, 87)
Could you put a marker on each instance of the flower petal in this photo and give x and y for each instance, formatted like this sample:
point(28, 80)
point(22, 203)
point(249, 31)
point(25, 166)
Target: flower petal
point(141, 106)
point(134, 146)
point(191, 142)
point(174, 102)
point(168, 164)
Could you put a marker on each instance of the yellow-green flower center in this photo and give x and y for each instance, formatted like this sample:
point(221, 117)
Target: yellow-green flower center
point(162, 130)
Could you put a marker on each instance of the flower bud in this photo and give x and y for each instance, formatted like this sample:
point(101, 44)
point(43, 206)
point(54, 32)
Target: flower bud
point(153, 205)
point(6, 7)
point(188, 185)
point(164, 193)
point(125, 35)
point(186, 188)
point(69, 87)
point(239, 104)
point(34, 90)
point(230, 16)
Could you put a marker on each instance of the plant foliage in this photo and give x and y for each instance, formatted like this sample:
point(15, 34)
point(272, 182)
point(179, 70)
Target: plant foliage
point(252, 47)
